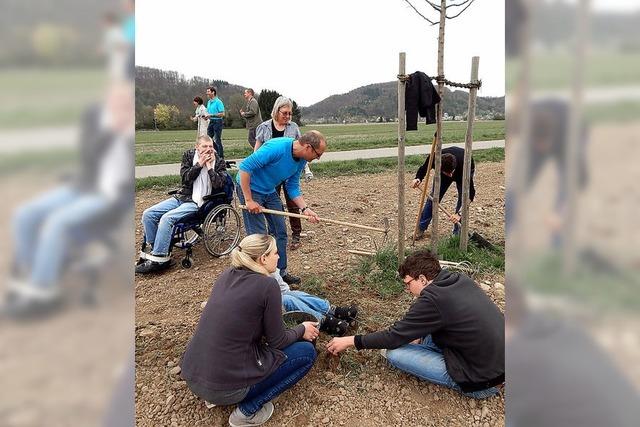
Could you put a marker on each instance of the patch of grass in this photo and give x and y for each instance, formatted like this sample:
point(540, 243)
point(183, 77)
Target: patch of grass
point(161, 182)
point(379, 273)
point(157, 147)
point(49, 160)
point(486, 260)
point(313, 285)
point(342, 168)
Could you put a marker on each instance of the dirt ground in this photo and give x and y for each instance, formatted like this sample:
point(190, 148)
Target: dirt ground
point(359, 388)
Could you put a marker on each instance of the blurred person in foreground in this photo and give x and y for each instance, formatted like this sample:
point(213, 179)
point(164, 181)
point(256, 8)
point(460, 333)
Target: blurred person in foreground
point(47, 229)
point(281, 125)
point(452, 335)
point(557, 374)
point(241, 353)
point(202, 172)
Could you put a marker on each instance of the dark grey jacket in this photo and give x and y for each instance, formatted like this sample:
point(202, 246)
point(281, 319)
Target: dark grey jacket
point(462, 321)
point(240, 334)
point(189, 172)
point(421, 98)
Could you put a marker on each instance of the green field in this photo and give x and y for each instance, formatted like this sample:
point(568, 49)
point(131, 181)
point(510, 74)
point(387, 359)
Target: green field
point(167, 146)
point(555, 71)
point(47, 97)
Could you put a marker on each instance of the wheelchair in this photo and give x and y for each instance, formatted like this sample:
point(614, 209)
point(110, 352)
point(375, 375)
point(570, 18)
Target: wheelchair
point(216, 223)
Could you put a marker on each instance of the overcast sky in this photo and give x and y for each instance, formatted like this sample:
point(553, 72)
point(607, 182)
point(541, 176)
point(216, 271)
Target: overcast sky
point(311, 49)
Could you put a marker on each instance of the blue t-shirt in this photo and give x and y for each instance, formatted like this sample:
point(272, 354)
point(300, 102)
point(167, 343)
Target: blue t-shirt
point(272, 164)
point(215, 106)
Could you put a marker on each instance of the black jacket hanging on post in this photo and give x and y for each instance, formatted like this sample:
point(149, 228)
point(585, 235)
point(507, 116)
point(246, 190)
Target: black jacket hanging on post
point(420, 97)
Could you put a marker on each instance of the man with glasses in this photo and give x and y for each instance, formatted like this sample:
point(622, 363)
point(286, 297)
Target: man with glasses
point(452, 335)
point(278, 160)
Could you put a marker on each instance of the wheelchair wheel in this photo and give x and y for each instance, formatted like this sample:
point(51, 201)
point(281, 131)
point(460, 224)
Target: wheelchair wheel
point(186, 262)
point(221, 230)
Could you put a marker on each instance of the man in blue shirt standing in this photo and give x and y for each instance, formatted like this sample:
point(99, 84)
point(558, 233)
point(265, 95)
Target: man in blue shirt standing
point(278, 160)
point(215, 114)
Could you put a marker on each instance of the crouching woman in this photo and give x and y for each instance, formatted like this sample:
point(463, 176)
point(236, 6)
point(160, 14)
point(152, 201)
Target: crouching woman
point(241, 352)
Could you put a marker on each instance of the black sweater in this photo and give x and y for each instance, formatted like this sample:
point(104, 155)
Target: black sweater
point(238, 339)
point(445, 181)
point(462, 321)
point(421, 98)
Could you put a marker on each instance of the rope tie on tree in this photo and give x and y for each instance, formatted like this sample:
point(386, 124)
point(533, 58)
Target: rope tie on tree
point(441, 79)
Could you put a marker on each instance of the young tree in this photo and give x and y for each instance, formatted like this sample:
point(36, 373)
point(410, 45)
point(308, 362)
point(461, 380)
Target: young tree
point(167, 116)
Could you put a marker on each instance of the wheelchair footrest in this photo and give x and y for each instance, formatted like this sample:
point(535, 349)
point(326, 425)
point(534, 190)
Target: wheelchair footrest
point(155, 258)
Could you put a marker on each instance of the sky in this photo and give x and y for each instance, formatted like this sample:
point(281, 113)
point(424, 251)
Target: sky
point(311, 49)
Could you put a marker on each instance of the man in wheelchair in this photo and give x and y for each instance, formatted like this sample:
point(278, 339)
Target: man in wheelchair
point(202, 173)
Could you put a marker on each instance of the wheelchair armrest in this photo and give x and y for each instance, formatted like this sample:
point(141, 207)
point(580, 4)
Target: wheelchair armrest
point(214, 196)
point(172, 192)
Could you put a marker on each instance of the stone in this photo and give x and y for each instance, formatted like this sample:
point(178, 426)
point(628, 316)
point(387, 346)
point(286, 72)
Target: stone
point(498, 286)
point(485, 412)
point(325, 420)
point(203, 304)
point(175, 370)
point(147, 332)
point(485, 287)
point(171, 364)
point(170, 400)
point(472, 404)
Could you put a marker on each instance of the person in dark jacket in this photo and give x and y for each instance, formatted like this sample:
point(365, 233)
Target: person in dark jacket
point(452, 335)
point(202, 171)
point(451, 170)
point(241, 352)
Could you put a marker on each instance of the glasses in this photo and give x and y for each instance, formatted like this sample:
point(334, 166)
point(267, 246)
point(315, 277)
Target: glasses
point(286, 113)
point(318, 155)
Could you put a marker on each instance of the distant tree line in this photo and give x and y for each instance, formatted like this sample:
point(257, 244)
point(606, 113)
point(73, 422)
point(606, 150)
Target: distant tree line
point(164, 100)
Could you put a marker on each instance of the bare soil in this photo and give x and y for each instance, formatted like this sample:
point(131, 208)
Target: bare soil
point(358, 388)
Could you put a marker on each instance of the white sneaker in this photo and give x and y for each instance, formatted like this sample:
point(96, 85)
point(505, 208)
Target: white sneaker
point(238, 419)
point(383, 353)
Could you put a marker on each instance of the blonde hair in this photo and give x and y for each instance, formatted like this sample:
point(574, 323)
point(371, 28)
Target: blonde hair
point(249, 251)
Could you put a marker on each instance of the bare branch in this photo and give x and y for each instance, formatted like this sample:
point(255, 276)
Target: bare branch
point(459, 13)
point(458, 4)
point(423, 17)
point(433, 5)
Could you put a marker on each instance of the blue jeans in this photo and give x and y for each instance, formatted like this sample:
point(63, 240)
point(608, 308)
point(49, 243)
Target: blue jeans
point(214, 130)
point(300, 359)
point(43, 231)
point(255, 223)
point(427, 212)
point(426, 361)
point(302, 301)
point(158, 222)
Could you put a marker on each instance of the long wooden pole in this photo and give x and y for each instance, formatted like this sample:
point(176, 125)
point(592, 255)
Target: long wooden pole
point(402, 128)
point(331, 221)
point(468, 150)
point(424, 189)
point(438, 151)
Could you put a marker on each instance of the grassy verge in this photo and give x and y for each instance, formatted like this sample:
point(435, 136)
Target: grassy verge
point(488, 261)
point(341, 168)
point(167, 146)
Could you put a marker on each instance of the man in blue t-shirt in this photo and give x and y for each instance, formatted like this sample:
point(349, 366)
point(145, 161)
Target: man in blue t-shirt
point(215, 114)
point(278, 160)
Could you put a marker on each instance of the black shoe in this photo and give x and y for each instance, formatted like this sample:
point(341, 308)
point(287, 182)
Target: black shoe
point(334, 326)
point(290, 279)
point(152, 267)
point(346, 313)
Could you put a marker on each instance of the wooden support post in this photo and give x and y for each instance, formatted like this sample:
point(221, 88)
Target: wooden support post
point(402, 128)
point(425, 188)
point(438, 150)
point(468, 151)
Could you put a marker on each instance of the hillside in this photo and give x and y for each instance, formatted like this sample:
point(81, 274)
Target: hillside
point(380, 100)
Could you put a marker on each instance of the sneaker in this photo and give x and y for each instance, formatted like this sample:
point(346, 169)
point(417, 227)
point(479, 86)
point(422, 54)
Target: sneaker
point(290, 279)
point(419, 235)
point(334, 326)
point(348, 314)
point(152, 266)
point(238, 419)
point(295, 243)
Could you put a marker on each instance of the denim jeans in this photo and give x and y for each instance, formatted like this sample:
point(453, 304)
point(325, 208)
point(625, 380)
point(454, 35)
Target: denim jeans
point(426, 361)
point(255, 223)
point(214, 130)
point(300, 359)
point(158, 222)
point(43, 231)
point(427, 212)
point(302, 301)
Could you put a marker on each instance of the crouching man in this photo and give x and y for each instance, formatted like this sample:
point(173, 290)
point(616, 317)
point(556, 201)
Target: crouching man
point(452, 335)
point(202, 171)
